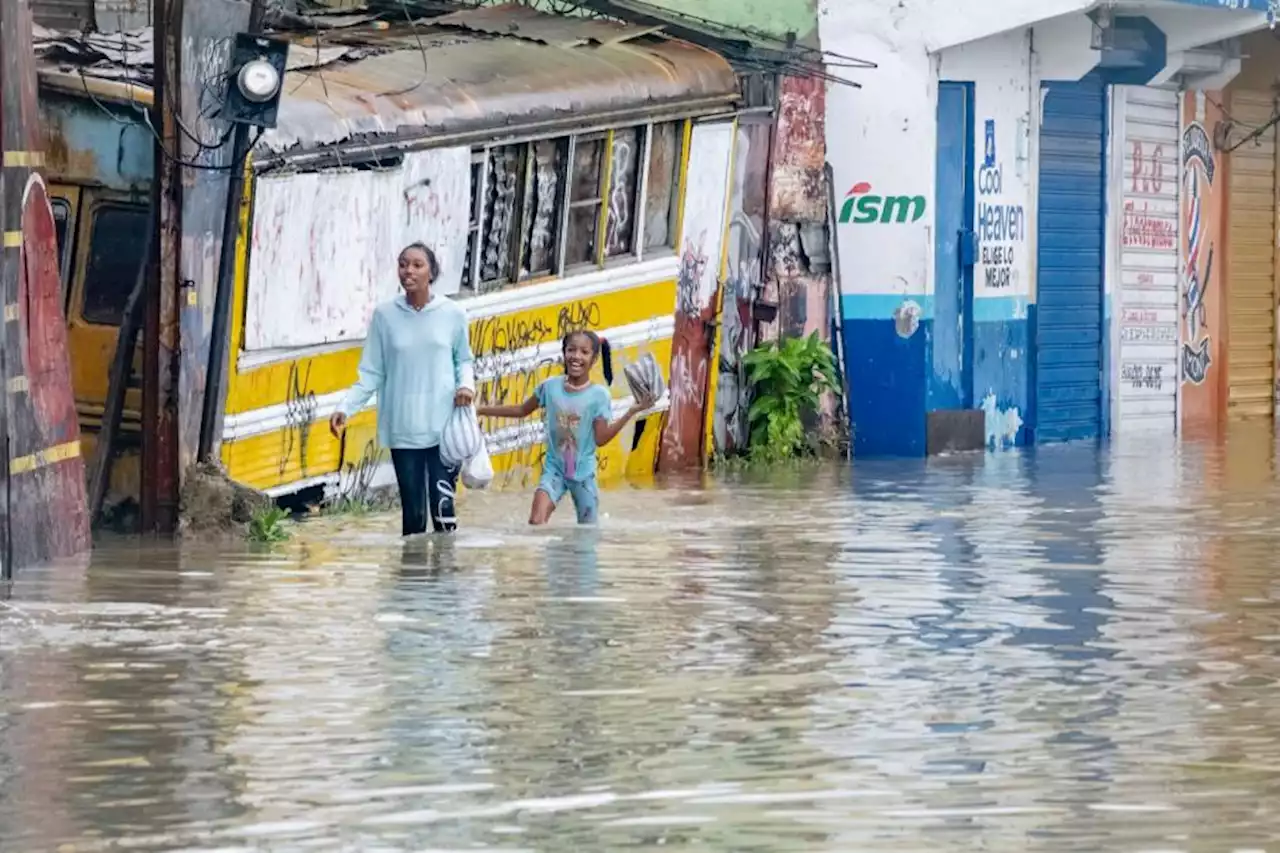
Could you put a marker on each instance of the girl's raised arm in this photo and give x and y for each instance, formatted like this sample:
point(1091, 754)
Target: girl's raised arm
point(607, 432)
point(528, 407)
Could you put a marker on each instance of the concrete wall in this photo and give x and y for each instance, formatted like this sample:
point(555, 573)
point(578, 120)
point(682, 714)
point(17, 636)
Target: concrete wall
point(882, 141)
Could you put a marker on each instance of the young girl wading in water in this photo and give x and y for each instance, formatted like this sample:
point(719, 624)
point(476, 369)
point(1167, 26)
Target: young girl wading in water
point(578, 418)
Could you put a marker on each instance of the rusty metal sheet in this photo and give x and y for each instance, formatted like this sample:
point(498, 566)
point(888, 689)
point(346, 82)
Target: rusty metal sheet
point(117, 54)
point(411, 82)
point(472, 81)
point(487, 83)
point(525, 22)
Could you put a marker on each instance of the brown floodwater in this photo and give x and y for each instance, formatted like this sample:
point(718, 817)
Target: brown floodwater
point(1066, 650)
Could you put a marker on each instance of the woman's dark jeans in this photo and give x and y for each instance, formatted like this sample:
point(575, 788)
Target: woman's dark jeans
point(427, 487)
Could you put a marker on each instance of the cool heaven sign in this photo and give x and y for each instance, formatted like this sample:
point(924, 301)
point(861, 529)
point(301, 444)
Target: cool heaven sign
point(1001, 227)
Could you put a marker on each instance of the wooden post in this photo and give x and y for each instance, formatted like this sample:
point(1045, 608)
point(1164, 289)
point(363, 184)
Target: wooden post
point(160, 336)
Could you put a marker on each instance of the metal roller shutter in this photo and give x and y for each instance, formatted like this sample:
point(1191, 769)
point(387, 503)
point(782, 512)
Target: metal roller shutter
point(1069, 261)
point(1251, 223)
point(1147, 315)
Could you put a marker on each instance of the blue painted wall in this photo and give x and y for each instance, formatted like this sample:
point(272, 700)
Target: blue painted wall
point(1002, 366)
point(887, 365)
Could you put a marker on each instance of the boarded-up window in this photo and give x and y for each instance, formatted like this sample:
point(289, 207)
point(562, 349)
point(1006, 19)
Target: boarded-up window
point(500, 214)
point(541, 208)
point(624, 182)
point(584, 200)
point(664, 178)
point(473, 225)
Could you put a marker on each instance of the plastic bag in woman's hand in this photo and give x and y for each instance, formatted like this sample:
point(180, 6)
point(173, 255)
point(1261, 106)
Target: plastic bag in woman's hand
point(462, 437)
point(478, 472)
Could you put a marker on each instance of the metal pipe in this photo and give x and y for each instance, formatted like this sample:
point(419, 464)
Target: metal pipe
point(216, 371)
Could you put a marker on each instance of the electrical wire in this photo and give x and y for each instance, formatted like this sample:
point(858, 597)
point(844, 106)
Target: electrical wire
point(404, 7)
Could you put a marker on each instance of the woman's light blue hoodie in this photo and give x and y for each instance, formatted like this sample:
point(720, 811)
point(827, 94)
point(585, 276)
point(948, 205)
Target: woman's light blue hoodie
point(415, 361)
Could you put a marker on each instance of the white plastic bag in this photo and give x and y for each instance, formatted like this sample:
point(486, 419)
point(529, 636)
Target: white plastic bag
point(478, 472)
point(462, 437)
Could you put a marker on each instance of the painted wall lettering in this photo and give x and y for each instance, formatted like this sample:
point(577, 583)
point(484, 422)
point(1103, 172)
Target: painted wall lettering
point(1001, 226)
point(1147, 230)
point(1148, 169)
point(862, 207)
point(1153, 334)
point(1143, 376)
point(300, 413)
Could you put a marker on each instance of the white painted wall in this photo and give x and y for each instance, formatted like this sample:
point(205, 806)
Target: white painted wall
point(884, 135)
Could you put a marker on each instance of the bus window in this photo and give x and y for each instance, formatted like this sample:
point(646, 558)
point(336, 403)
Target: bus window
point(116, 247)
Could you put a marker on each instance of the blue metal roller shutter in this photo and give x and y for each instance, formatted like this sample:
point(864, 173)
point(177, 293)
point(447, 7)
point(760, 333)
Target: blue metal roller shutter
point(1069, 259)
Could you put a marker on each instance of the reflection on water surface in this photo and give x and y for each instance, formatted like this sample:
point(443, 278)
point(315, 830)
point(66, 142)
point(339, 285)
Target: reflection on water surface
point(1060, 651)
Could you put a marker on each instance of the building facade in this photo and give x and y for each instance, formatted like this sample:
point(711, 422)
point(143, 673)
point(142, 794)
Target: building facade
point(1023, 200)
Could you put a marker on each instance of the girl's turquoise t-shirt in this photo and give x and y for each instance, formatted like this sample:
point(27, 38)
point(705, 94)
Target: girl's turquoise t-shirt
point(570, 418)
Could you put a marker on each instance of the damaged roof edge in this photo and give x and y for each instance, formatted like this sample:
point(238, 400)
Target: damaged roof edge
point(358, 149)
point(467, 82)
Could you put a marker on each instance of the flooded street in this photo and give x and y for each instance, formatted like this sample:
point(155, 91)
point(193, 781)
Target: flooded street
point(1060, 651)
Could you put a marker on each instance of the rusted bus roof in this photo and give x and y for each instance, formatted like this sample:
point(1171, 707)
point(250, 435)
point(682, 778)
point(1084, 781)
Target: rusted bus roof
point(477, 82)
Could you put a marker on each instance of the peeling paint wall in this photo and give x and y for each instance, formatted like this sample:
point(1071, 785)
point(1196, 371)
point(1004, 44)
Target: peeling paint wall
point(798, 209)
point(701, 242)
point(324, 245)
point(743, 283)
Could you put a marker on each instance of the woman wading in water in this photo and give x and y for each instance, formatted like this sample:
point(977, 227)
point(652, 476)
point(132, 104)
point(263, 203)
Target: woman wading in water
point(417, 359)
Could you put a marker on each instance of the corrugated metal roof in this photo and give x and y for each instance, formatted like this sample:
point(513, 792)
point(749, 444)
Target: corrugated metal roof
point(471, 82)
point(472, 73)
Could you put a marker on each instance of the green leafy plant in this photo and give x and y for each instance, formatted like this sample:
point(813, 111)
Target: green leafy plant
point(267, 525)
point(788, 379)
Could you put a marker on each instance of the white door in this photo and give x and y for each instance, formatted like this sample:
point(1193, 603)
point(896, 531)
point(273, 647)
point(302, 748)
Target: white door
point(1145, 372)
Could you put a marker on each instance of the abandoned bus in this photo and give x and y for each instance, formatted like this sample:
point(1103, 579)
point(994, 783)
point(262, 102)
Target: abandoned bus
point(569, 174)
